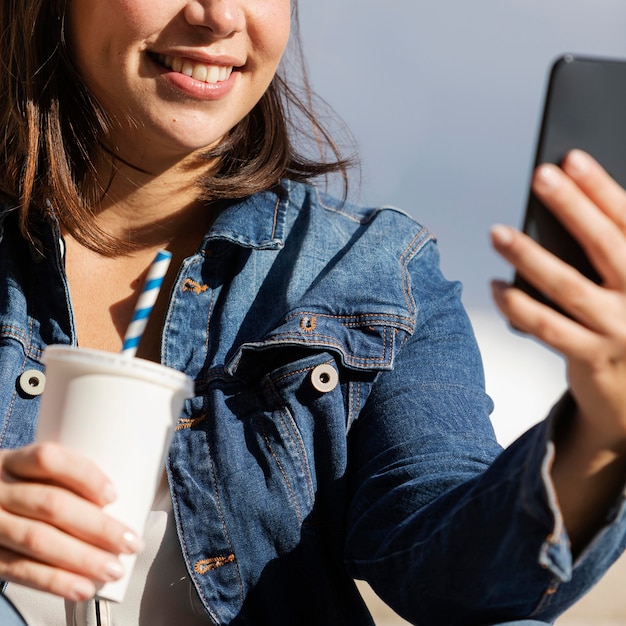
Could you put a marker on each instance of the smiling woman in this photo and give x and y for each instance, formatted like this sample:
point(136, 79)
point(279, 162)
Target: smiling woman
point(339, 426)
point(116, 44)
point(107, 80)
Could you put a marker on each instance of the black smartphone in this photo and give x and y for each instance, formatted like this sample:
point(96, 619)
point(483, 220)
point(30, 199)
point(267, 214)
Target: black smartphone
point(585, 107)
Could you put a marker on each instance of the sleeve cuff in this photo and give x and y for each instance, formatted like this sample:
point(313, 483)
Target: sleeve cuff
point(540, 499)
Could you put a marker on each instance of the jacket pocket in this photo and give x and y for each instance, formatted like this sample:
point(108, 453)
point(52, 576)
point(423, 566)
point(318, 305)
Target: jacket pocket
point(359, 346)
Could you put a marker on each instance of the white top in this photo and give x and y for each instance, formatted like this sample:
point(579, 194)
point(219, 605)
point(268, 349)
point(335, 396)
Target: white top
point(159, 594)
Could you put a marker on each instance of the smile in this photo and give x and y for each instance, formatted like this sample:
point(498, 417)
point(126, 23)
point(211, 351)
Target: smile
point(202, 72)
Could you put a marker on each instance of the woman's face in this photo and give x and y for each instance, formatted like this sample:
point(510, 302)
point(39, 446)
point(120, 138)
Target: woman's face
point(176, 75)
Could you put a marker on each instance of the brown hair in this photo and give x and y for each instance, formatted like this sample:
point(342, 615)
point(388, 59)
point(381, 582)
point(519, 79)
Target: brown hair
point(53, 127)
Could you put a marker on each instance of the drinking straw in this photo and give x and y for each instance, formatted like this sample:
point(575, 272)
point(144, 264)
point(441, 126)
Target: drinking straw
point(145, 303)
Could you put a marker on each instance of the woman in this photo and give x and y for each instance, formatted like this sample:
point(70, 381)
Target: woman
point(340, 426)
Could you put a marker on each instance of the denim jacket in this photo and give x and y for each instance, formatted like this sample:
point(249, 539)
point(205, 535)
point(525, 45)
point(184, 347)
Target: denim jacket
point(339, 427)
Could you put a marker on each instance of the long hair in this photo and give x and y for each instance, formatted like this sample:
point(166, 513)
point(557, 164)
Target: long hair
point(54, 130)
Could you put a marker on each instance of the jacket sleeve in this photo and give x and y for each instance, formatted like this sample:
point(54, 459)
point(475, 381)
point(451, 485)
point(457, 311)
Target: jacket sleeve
point(446, 527)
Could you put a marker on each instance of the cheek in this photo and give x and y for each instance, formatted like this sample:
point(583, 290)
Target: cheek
point(139, 19)
point(92, 22)
point(271, 28)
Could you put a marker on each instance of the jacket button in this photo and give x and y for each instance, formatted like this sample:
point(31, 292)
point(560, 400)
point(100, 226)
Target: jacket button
point(324, 378)
point(32, 382)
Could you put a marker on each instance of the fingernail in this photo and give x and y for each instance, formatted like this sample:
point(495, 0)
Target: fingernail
point(132, 543)
point(83, 590)
point(577, 162)
point(547, 176)
point(498, 285)
point(114, 570)
point(108, 493)
point(502, 235)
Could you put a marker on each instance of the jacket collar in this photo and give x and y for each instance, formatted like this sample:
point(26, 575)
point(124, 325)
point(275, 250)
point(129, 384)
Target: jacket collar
point(257, 222)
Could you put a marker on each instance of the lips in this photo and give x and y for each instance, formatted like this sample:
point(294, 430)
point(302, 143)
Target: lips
point(203, 72)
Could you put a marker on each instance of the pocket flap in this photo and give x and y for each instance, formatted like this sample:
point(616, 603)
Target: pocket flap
point(362, 341)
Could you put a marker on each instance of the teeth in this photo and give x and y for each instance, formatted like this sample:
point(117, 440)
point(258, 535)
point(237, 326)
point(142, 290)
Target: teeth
point(187, 68)
point(199, 71)
point(213, 75)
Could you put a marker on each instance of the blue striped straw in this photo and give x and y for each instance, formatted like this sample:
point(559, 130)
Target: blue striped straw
point(145, 303)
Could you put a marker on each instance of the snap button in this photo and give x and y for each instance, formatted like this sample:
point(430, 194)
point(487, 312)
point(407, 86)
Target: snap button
point(324, 378)
point(32, 382)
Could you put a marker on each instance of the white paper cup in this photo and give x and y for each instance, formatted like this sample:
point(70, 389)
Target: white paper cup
point(121, 413)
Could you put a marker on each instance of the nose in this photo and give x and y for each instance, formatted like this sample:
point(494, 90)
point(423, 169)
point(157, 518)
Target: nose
point(222, 17)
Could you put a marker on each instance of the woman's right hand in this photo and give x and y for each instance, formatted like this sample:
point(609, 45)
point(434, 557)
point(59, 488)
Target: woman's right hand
point(54, 535)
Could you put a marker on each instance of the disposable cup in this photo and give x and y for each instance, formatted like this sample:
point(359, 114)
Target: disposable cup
point(121, 413)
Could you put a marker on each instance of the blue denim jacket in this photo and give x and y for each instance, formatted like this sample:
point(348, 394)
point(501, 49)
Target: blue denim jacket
point(286, 485)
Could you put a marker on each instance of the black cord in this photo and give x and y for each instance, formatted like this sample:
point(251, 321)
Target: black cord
point(98, 618)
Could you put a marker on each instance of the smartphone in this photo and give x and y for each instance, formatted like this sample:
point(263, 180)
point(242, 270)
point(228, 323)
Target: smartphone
point(585, 107)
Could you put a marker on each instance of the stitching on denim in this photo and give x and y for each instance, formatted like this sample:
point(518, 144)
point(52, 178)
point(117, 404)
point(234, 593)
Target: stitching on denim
point(354, 404)
point(10, 409)
point(297, 440)
point(282, 471)
point(208, 323)
point(206, 565)
point(422, 237)
point(191, 285)
point(280, 467)
point(295, 436)
point(167, 324)
point(546, 598)
point(350, 216)
point(275, 218)
point(331, 342)
point(185, 550)
point(295, 373)
point(351, 394)
point(187, 422)
point(15, 332)
point(357, 320)
point(294, 433)
point(221, 513)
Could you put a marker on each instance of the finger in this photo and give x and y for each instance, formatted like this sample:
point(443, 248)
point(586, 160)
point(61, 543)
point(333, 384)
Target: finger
point(575, 294)
point(601, 188)
point(43, 543)
point(53, 464)
point(70, 513)
point(15, 568)
point(602, 240)
point(541, 321)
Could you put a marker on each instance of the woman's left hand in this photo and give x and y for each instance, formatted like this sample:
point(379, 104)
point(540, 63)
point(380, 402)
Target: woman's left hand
point(592, 206)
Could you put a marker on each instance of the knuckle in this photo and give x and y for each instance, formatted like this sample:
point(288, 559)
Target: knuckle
point(46, 456)
point(48, 503)
point(570, 292)
point(15, 568)
point(111, 531)
point(544, 330)
point(34, 539)
point(606, 240)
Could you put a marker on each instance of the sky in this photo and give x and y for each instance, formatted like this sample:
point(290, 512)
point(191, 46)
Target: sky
point(444, 99)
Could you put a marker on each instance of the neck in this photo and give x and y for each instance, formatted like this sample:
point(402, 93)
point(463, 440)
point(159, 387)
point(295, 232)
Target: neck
point(153, 210)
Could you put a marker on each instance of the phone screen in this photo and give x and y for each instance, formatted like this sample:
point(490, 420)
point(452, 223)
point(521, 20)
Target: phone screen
point(585, 108)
